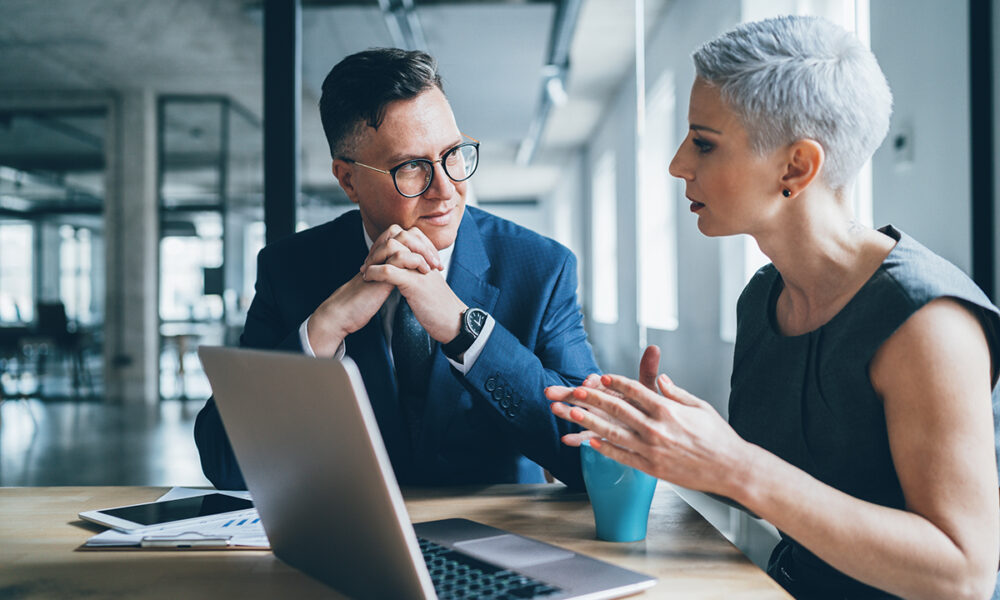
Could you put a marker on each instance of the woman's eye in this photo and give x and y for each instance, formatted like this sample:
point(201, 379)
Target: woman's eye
point(703, 146)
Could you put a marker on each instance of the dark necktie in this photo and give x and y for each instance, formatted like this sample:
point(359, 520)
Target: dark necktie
point(412, 351)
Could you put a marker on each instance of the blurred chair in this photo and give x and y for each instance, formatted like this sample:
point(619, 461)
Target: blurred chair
point(53, 332)
point(11, 358)
point(12, 364)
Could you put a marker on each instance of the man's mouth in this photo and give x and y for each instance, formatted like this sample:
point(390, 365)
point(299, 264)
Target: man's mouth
point(441, 217)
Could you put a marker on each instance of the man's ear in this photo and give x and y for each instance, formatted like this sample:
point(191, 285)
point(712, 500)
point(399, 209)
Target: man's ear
point(344, 172)
point(805, 160)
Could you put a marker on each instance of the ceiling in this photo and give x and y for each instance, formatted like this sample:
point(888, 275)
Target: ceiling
point(491, 56)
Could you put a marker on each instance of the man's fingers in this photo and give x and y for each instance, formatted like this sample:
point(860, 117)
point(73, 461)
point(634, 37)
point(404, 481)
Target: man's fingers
point(393, 251)
point(415, 241)
point(408, 260)
point(390, 274)
point(429, 250)
point(395, 239)
point(649, 365)
point(390, 232)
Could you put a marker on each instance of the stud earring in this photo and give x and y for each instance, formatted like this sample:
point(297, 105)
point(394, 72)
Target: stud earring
point(787, 193)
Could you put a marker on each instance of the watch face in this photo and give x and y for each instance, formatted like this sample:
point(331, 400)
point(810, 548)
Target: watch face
point(474, 320)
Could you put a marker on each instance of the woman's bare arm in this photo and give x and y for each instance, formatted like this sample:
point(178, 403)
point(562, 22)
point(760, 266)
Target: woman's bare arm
point(934, 377)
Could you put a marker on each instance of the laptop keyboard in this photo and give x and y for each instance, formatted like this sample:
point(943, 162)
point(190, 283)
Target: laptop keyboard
point(458, 576)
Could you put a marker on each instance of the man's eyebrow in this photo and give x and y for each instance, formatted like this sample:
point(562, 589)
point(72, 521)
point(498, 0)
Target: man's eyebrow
point(696, 127)
point(403, 157)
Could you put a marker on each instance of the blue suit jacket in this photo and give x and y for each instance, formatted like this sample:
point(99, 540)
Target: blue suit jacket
point(491, 425)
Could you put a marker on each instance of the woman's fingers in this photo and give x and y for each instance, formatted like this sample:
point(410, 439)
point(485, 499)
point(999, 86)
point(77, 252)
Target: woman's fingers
point(621, 409)
point(622, 455)
point(638, 395)
point(676, 393)
point(648, 367)
point(575, 439)
point(618, 432)
point(559, 393)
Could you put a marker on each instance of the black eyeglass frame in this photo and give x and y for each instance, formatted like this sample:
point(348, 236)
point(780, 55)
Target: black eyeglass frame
point(392, 172)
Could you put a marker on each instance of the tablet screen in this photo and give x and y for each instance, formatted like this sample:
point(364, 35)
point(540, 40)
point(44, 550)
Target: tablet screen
point(176, 510)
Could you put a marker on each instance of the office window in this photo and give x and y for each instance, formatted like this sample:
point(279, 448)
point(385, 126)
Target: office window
point(657, 219)
point(604, 237)
point(17, 300)
point(184, 257)
point(74, 272)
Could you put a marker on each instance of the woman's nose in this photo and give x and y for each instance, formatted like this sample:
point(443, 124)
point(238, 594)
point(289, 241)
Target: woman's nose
point(679, 166)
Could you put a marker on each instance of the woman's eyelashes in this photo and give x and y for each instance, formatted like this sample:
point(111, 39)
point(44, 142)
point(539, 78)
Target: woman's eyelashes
point(704, 146)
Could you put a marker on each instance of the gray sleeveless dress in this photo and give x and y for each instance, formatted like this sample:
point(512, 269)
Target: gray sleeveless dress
point(809, 400)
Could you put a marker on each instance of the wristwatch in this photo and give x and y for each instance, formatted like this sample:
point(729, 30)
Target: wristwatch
point(473, 320)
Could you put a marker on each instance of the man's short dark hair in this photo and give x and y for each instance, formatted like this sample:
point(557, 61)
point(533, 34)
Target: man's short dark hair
point(358, 88)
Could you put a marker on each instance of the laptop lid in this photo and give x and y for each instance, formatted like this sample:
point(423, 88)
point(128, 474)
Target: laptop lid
point(309, 446)
point(291, 420)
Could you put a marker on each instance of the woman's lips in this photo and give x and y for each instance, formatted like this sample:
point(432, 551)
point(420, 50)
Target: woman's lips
point(696, 206)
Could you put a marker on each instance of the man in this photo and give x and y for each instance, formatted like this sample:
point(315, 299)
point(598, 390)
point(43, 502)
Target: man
point(457, 319)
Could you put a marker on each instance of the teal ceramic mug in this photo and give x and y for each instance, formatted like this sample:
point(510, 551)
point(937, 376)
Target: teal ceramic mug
point(620, 495)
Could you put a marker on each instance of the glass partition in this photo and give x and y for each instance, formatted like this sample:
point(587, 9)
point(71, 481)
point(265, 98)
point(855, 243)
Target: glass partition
point(52, 188)
point(210, 200)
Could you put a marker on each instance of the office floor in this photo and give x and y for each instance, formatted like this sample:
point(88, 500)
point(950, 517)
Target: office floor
point(93, 443)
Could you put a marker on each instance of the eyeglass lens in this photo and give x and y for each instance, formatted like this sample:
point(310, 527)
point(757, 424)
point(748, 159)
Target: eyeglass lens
point(414, 177)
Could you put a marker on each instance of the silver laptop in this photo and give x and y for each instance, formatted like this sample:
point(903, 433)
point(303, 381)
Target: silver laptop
point(306, 439)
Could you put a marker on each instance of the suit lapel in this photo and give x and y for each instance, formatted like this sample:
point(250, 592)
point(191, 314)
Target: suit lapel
point(470, 265)
point(467, 275)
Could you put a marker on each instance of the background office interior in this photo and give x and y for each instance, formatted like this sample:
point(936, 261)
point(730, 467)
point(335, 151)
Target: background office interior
point(131, 187)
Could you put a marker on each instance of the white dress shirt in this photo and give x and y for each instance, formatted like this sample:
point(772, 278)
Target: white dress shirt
point(388, 310)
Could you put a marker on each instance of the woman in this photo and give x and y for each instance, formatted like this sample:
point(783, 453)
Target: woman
point(861, 421)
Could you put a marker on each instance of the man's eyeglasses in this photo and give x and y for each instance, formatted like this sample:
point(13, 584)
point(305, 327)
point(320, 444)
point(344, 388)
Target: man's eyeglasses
point(414, 176)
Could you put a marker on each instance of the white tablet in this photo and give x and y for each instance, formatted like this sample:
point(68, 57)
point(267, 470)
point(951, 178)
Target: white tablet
point(170, 513)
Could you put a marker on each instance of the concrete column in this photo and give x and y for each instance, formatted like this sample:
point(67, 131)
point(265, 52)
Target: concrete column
point(131, 349)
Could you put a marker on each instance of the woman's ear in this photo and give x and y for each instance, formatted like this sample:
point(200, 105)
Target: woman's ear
point(344, 172)
point(805, 160)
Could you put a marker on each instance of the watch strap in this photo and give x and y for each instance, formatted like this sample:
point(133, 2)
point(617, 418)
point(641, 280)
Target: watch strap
point(465, 338)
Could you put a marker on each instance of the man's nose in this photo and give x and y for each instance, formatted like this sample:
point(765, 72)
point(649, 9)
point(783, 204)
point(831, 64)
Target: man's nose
point(441, 185)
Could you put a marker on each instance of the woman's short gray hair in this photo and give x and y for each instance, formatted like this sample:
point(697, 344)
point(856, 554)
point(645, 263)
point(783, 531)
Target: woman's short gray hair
point(794, 77)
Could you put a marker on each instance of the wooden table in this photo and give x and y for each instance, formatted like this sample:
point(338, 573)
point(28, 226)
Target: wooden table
point(40, 537)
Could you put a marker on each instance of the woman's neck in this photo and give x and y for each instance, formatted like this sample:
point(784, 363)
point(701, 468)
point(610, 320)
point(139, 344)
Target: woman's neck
point(824, 257)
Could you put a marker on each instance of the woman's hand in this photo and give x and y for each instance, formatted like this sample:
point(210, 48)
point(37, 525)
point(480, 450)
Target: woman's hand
point(676, 437)
point(648, 367)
